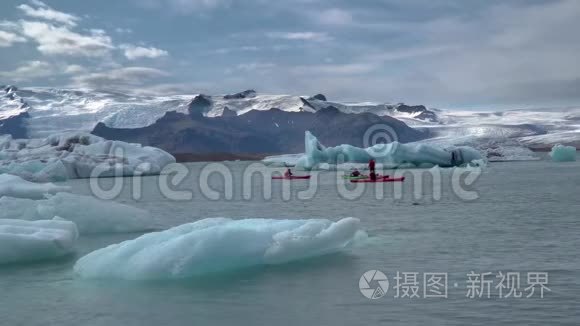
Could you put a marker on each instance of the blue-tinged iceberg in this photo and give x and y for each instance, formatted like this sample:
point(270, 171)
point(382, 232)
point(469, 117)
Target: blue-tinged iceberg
point(25, 241)
point(561, 153)
point(15, 186)
point(389, 155)
point(91, 215)
point(218, 245)
point(78, 155)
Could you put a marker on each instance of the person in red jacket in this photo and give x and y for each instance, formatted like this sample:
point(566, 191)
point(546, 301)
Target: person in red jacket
point(372, 170)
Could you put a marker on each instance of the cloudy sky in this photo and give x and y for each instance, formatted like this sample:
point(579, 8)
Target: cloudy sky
point(444, 53)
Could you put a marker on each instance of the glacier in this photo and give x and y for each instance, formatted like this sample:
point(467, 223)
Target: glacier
point(389, 155)
point(15, 186)
point(25, 241)
point(561, 153)
point(218, 245)
point(77, 155)
point(51, 110)
point(91, 215)
point(505, 135)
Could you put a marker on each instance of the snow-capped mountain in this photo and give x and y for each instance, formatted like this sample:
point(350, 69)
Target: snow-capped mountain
point(39, 112)
point(54, 110)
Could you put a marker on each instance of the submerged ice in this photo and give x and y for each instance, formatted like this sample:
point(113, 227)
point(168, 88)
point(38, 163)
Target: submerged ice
point(91, 215)
point(24, 241)
point(389, 155)
point(78, 155)
point(14, 186)
point(218, 245)
point(561, 153)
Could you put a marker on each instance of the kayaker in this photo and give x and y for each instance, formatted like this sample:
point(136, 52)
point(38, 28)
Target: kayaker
point(355, 173)
point(453, 159)
point(288, 173)
point(372, 165)
point(373, 176)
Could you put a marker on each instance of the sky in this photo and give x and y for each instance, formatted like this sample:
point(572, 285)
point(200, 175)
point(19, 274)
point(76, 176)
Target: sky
point(444, 53)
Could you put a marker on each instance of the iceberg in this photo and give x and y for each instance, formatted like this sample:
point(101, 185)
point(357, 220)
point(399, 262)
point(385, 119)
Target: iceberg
point(217, 245)
point(24, 241)
point(393, 154)
point(91, 215)
point(15, 186)
point(561, 153)
point(78, 155)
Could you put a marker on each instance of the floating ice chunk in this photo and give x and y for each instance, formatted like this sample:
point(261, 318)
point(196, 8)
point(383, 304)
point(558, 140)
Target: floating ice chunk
point(393, 154)
point(23, 241)
point(217, 245)
point(282, 160)
point(561, 153)
point(91, 215)
point(14, 186)
point(78, 155)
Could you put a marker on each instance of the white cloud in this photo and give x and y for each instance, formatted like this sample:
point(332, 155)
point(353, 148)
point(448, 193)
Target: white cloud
point(253, 66)
point(517, 48)
point(300, 36)
point(407, 53)
point(53, 40)
point(28, 71)
point(47, 13)
point(38, 3)
point(74, 69)
point(9, 25)
point(97, 31)
point(182, 6)
point(335, 16)
point(336, 69)
point(121, 30)
point(248, 48)
point(119, 78)
point(176, 88)
point(133, 52)
point(8, 39)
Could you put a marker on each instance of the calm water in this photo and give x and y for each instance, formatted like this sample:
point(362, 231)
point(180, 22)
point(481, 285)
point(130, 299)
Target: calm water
point(525, 220)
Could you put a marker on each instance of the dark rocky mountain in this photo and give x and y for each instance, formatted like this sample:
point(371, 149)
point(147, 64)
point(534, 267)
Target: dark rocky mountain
point(273, 131)
point(419, 111)
point(15, 125)
point(241, 95)
point(199, 105)
point(228, 113)
point(319, 97)
point(13, 121)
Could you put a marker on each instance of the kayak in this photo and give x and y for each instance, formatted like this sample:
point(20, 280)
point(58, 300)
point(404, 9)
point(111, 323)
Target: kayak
point(384, 179)
point(293, 177)
point(360, 177)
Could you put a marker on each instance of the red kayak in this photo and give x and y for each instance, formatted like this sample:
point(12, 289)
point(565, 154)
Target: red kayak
point(383, 179)
point(293, 177)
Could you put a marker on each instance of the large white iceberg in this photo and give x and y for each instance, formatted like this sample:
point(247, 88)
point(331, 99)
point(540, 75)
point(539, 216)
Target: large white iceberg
point(24, 241)
point(15, 186)
point(91, 215)
point(78, 155)
point(390, 155)
point(218, 245)
point(561, 153)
